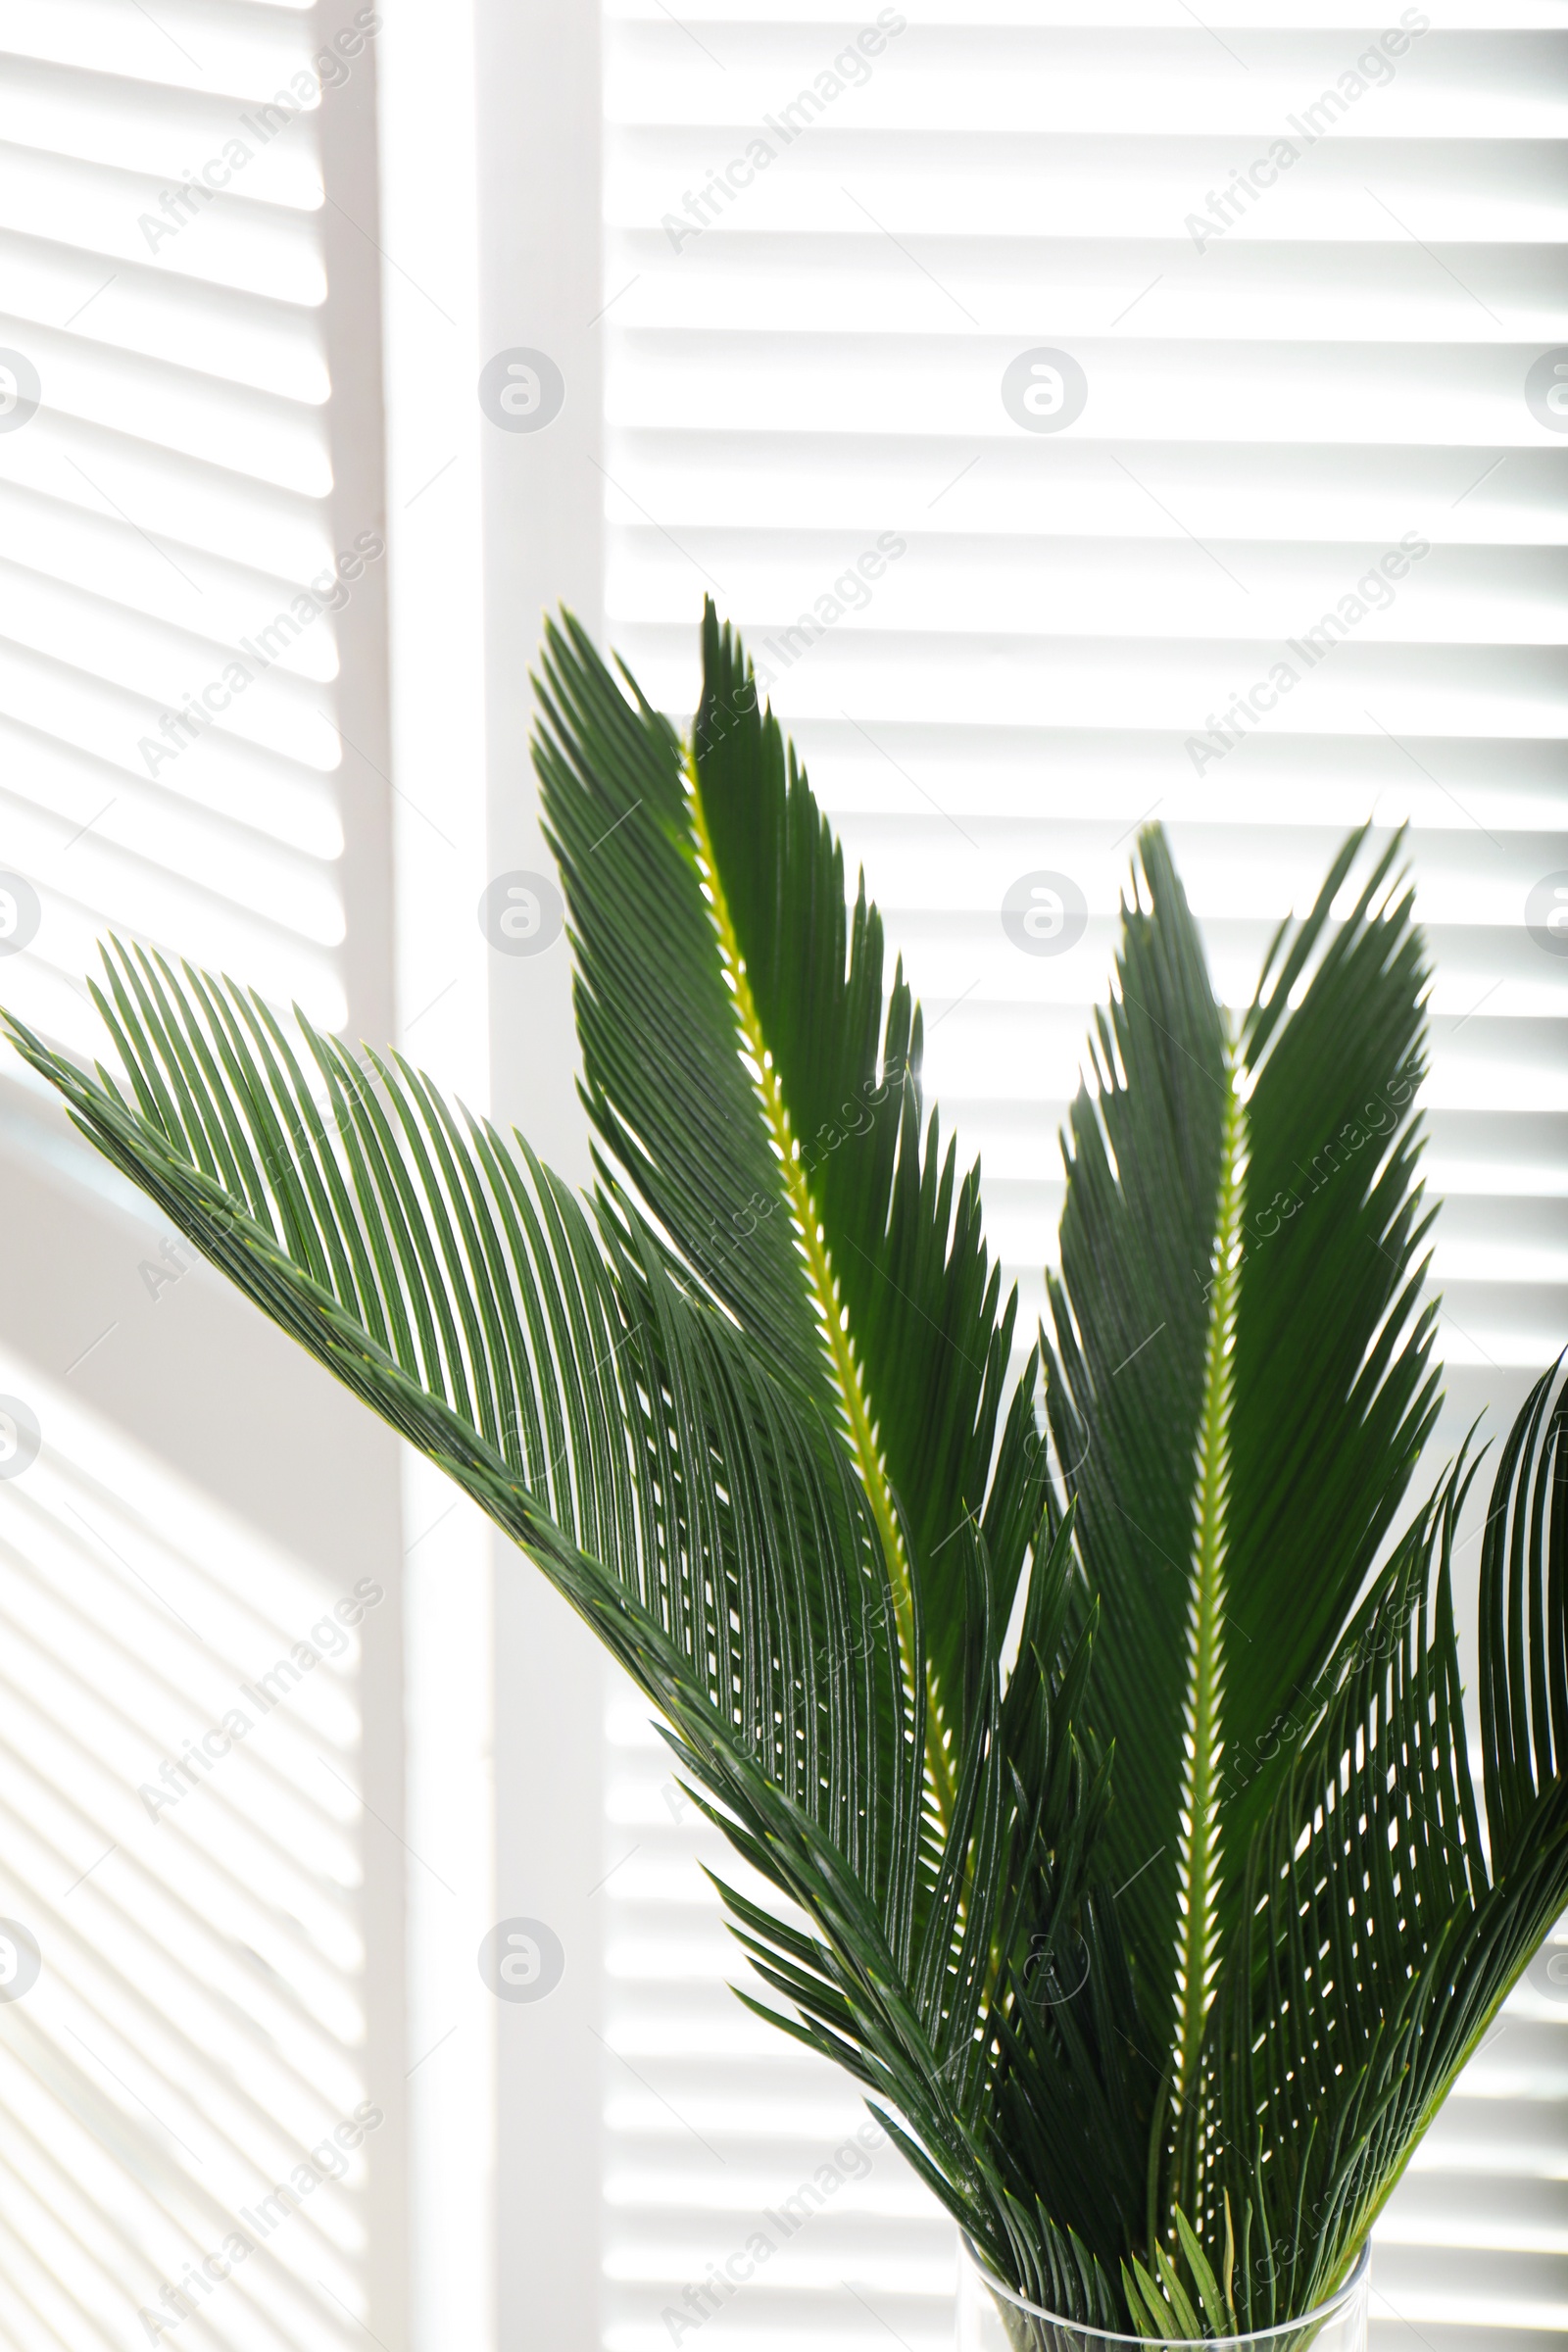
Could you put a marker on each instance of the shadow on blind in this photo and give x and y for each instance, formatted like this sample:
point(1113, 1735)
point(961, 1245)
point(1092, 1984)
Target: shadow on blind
point(183, 2106)
point(169, 592)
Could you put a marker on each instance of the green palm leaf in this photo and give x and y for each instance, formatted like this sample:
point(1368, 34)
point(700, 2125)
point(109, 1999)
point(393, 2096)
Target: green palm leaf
point(746, 1082)
point(1241, 1381)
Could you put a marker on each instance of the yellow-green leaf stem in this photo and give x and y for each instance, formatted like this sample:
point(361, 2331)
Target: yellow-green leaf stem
point(824, 1291)
point(1199, 1854)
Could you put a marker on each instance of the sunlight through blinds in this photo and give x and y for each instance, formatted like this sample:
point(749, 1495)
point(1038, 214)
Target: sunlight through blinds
point(1092, 414)
point(174, 574)
point(186, 589)
point(183, 2102)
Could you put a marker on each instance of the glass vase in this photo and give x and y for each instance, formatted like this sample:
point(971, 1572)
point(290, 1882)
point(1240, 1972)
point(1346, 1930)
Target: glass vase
point(993, 2318)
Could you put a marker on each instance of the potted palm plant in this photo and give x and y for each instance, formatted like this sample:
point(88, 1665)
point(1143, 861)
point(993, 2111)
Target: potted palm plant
point(1095, 1719)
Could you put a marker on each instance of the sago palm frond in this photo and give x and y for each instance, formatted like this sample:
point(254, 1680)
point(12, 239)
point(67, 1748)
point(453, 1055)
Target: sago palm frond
point(749, 1082)
point(1159, 1949)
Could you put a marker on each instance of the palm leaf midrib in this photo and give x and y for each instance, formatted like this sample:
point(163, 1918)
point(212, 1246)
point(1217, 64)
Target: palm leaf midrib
point(1199, 1861)
point(831, 1319)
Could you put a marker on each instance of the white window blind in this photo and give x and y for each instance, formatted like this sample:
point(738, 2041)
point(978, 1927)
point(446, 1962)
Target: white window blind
point(201, 2096)
point(1008, 616)
point(186, 2114)
point(177, 556)
point(730, 2156)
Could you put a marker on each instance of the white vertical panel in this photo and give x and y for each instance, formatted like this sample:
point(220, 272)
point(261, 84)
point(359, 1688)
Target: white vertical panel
point(429, 292)
point(537, 162)
point(430, 298)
